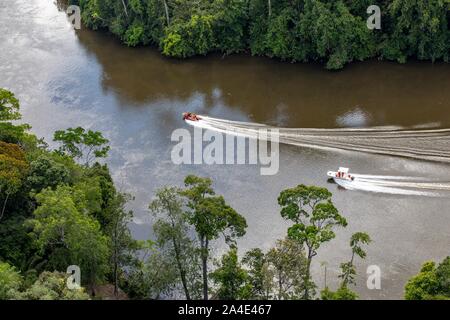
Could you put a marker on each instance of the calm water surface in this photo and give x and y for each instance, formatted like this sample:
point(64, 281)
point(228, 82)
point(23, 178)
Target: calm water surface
point(135, 96)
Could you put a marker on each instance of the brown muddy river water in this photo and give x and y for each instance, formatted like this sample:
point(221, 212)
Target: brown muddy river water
point(135, 96)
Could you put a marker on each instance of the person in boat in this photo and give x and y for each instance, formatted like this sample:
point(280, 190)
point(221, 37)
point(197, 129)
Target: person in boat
point(343, 175)
point(190, 116)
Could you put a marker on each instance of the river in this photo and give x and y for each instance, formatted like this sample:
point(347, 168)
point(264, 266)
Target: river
point(66, 78)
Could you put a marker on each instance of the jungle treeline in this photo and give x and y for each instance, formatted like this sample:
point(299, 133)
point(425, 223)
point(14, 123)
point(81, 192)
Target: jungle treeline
point(333, 32)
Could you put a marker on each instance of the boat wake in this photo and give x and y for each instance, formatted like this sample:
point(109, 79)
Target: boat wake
point(423, 144)
point(418, 143)
point(403, 185)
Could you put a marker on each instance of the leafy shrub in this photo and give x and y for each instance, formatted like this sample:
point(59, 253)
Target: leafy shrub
point(185, 39)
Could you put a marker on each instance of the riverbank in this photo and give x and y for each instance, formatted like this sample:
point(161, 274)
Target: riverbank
point(333, 33)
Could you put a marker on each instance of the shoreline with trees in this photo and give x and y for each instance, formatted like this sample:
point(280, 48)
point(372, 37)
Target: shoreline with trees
point(330, 32)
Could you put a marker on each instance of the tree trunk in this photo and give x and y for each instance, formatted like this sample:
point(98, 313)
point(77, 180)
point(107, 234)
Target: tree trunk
point(181, 269)
point(347, 274)
point(115, 258)
point(204, 245)
point(4, 205)
point(166, 9)
point(91, 284)
point(116, 280)
point(125, 8)
point(270, 7)
point(308, 272)
point(280, 286)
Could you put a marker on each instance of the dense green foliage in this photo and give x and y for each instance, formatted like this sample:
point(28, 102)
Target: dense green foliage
point(279, 273)
point(10, 281)
point(333, 32)
point(63, 231)
point(342, 293)
point(431, 283)
point(231, 279)
point(55, 212)
point(51, 286)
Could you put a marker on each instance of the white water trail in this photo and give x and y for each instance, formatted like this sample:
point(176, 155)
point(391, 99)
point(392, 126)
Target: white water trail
point(418, 143)
point(405, 185)
point(369, 187)
point(424, 144)
point(372, 176)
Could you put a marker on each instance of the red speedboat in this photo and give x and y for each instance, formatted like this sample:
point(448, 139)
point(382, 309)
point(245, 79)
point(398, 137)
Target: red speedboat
point(190, 116)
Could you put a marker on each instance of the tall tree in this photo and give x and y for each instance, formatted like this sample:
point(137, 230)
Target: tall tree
point(279, 273)
point(122, 244)
point(211, 217)
point(314, 217)
point(172, 235)
point(288, 262)
point(155, 276)
point(260, 274)
point(348, 268)
point(13, 169)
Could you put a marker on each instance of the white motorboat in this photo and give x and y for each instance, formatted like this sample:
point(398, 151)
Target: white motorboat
point(341, 174)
